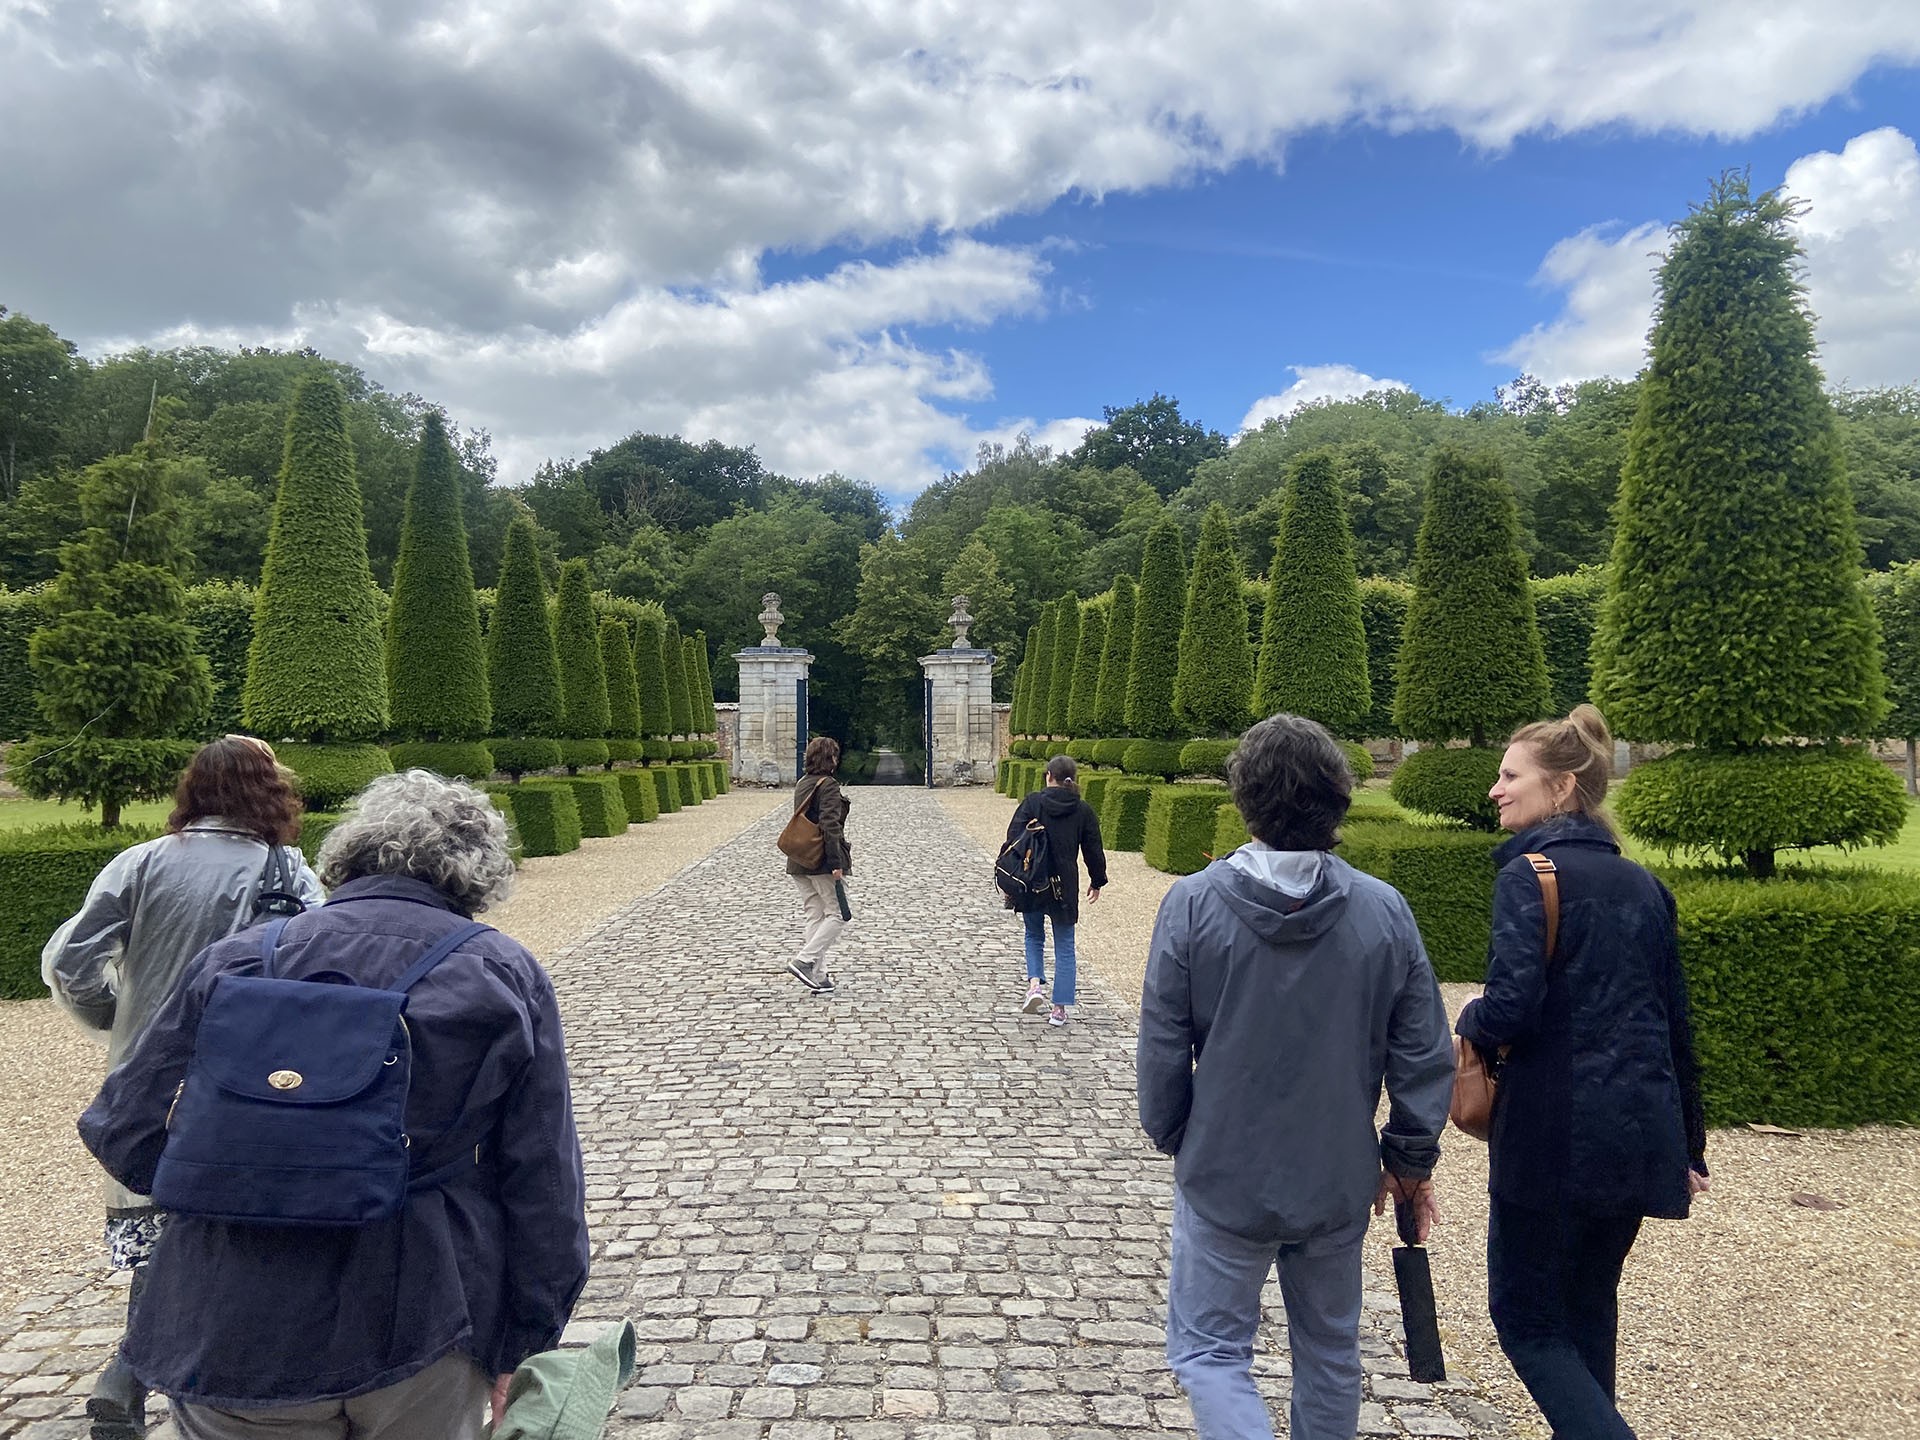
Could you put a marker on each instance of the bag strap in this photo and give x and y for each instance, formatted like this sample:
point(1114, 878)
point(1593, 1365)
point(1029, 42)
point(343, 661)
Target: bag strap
point(443, 947)
point(1548, 874)
point(269, 941)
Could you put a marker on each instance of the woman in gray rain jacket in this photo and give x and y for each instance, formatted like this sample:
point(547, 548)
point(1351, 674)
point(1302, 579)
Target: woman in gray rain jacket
point(148, 913)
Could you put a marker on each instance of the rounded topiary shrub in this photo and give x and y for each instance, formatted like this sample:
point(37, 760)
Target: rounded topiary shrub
point(1737, 804)
point(1206, 757)
point(1450, 782)
point(1359, 760)
point(1111, 752)
point(331, 775)
point(457, 759)
point(681, 749)
point(1081, 750)
point(1153, 757)
point(623, 750)
point(583, 754)
point(656, 750)
point(523, 757)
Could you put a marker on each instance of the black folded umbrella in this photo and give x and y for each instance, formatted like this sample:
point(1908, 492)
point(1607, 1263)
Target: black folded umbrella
point(1411, 1272)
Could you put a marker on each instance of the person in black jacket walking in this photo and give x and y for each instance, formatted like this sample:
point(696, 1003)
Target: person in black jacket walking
point(1597, 1123)
point(1072, 829)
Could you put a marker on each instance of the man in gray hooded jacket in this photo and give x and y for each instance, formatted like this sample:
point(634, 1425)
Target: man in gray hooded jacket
point(1283, 988)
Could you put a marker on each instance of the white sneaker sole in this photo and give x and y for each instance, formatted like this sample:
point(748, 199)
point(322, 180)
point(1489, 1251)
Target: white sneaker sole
point(1036, 1002)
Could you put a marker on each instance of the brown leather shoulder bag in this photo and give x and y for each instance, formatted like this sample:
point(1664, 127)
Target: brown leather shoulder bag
point(1474, 1081)
point(800, 840)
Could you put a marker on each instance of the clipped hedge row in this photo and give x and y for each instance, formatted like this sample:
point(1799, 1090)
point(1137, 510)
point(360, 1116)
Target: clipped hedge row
point(1157, 758)
point(1229, 830)
point(314, 827)
point(44, 875)
point(722, 781)
point(523, 756)
point(1206, 757)
point(1181, 820)
point(602, 808)
point(685, 785)
point(1447, 877)
point(583, 754)
point(1123, 815)
point(463, 760)
point(545, 815)
point(1093, 788)
point(666, 788)
point(642, 798)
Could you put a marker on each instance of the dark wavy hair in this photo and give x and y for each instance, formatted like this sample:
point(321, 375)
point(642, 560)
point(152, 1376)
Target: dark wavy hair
point(823, 755)
point(1291, 783)
point(236, 779)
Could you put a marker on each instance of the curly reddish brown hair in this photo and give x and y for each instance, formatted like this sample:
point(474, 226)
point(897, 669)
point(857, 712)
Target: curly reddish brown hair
point(237, 780)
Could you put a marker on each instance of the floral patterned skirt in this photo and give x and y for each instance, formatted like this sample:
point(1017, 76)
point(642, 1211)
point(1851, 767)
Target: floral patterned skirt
point(131, 1236)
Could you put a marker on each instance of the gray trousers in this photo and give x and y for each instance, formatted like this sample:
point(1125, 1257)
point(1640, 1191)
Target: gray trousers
point(445, 1401)
point(824, 924)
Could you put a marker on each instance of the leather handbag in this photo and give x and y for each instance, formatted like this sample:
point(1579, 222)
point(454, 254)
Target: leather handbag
point(800, 839)
point(1475, 1081)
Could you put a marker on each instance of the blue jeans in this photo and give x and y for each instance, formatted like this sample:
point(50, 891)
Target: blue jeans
point(1213, 1315)
point(1552, 1284)
point(1064, 972)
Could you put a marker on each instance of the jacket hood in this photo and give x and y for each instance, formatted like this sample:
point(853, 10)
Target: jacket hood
point(1057, 801)
point(1274, 915)
point(1560, 830)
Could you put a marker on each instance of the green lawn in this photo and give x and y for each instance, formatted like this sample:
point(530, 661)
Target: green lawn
point(23, 814)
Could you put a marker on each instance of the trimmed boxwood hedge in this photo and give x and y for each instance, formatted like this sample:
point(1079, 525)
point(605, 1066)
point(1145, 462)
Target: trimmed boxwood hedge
point(523, 756)
point(722, 782)
point(1229, 830)
point(1123, 815)
point(642, 799)
point(1180, 823)
point(1160, 758)
point(456, 759)
point(702, 779)
point(666, 787)
point(331, 775)
point(1081, 750)
point(1000, 773)
point(314, 827)
point(1447, 877)
point(655, 750)
point(1359, 760)
point(688, 788)
point(1111, 752)
point(545, 815)
point(1206, 757)
point(603, 810)
point(624, 750)
point(1806, 995)
point(44, 873)
point(1449, 782)
point(578, 754)
point(1093, 789)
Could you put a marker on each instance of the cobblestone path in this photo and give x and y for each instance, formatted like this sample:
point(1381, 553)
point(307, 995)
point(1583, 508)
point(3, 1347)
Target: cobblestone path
point(905, 1212)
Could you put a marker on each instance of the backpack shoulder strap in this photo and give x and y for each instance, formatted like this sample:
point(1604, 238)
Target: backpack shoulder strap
point(442, 948)
point(269, 941)
point(1548, 874)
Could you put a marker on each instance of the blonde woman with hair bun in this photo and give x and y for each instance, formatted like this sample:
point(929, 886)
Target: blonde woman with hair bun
point(1597, 1123)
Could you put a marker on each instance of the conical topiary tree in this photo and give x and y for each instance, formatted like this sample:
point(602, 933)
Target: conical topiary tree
point(1735, 615)
point(696, 702)
point(650, 669)
point(118, 673)
point(436, 660)
point(1039, 715)
point(1158, 610)
point(709, 723)
point(1066, 645)
point(584, 710)
point(673, 656)
point(1214, 679)
point(1086, 671)
point(1110, 702)
point(1313, 646)
point(1023, 682)
point(316, 667)
point(623, 691)
point(1471, 663)
point(523, 668)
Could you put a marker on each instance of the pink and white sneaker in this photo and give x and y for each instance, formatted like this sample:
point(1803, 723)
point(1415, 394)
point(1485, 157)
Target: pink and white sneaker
point(1036, 1000)
point(1058, 1015)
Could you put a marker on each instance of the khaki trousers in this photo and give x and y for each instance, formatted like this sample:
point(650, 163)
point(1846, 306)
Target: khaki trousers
point(823, 919)
point(445, 1401)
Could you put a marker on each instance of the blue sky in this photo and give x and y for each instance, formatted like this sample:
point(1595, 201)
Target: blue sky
point(866, 236)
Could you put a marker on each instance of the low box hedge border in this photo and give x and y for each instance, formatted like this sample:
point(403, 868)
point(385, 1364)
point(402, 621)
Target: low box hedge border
point(686, 786)
point(1447, 877)
point(666, 788)
point(1093, 789)
point(545, 816)
point(642, 797)
point(722, 781)
point(1123, 815)
point(1229, 830)
point(1181, 820)
point(44, 875)
point(602, 808)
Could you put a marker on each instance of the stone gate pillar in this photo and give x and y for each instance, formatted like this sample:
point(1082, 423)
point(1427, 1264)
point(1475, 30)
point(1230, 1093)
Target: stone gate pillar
point(771, 728)
point(962, 744)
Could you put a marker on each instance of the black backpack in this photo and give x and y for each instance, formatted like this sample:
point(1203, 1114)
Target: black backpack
point(1024, 871)
point(279, 887)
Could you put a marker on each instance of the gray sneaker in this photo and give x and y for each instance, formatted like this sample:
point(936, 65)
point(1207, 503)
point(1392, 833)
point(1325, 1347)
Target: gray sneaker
point(804, 974)
point(824, 985)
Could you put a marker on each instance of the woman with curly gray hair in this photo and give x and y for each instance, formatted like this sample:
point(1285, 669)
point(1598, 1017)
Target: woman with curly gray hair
point(406, 1326)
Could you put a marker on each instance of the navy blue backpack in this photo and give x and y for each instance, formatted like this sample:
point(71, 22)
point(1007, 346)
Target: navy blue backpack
point(294, 1107)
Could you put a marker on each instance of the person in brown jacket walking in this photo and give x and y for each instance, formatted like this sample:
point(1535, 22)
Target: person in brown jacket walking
point(822, 887)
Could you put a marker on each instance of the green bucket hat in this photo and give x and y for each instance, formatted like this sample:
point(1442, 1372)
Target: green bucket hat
point(566, 1394)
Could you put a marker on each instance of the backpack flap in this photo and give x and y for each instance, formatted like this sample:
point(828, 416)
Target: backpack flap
point(294, 1042)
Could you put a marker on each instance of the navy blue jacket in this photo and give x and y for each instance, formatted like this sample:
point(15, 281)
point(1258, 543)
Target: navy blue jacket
point(1598, 1109)
point(489, 1264)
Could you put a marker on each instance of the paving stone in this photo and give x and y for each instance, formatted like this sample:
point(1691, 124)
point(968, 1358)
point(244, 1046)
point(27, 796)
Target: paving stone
point(905, 1212)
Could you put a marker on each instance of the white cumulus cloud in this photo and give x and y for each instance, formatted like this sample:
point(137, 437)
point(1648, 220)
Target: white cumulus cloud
point(1861, 234)
point(1310, 383)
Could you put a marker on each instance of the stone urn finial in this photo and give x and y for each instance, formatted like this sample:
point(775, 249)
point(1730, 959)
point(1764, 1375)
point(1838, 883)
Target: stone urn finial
point(961, 622)
point(770, 618)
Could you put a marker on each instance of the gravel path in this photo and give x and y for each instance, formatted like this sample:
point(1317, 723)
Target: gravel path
point(1757, 1317)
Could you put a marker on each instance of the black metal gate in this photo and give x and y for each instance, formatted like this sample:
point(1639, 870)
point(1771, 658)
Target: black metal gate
point(801, 727)
point(926, 724)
